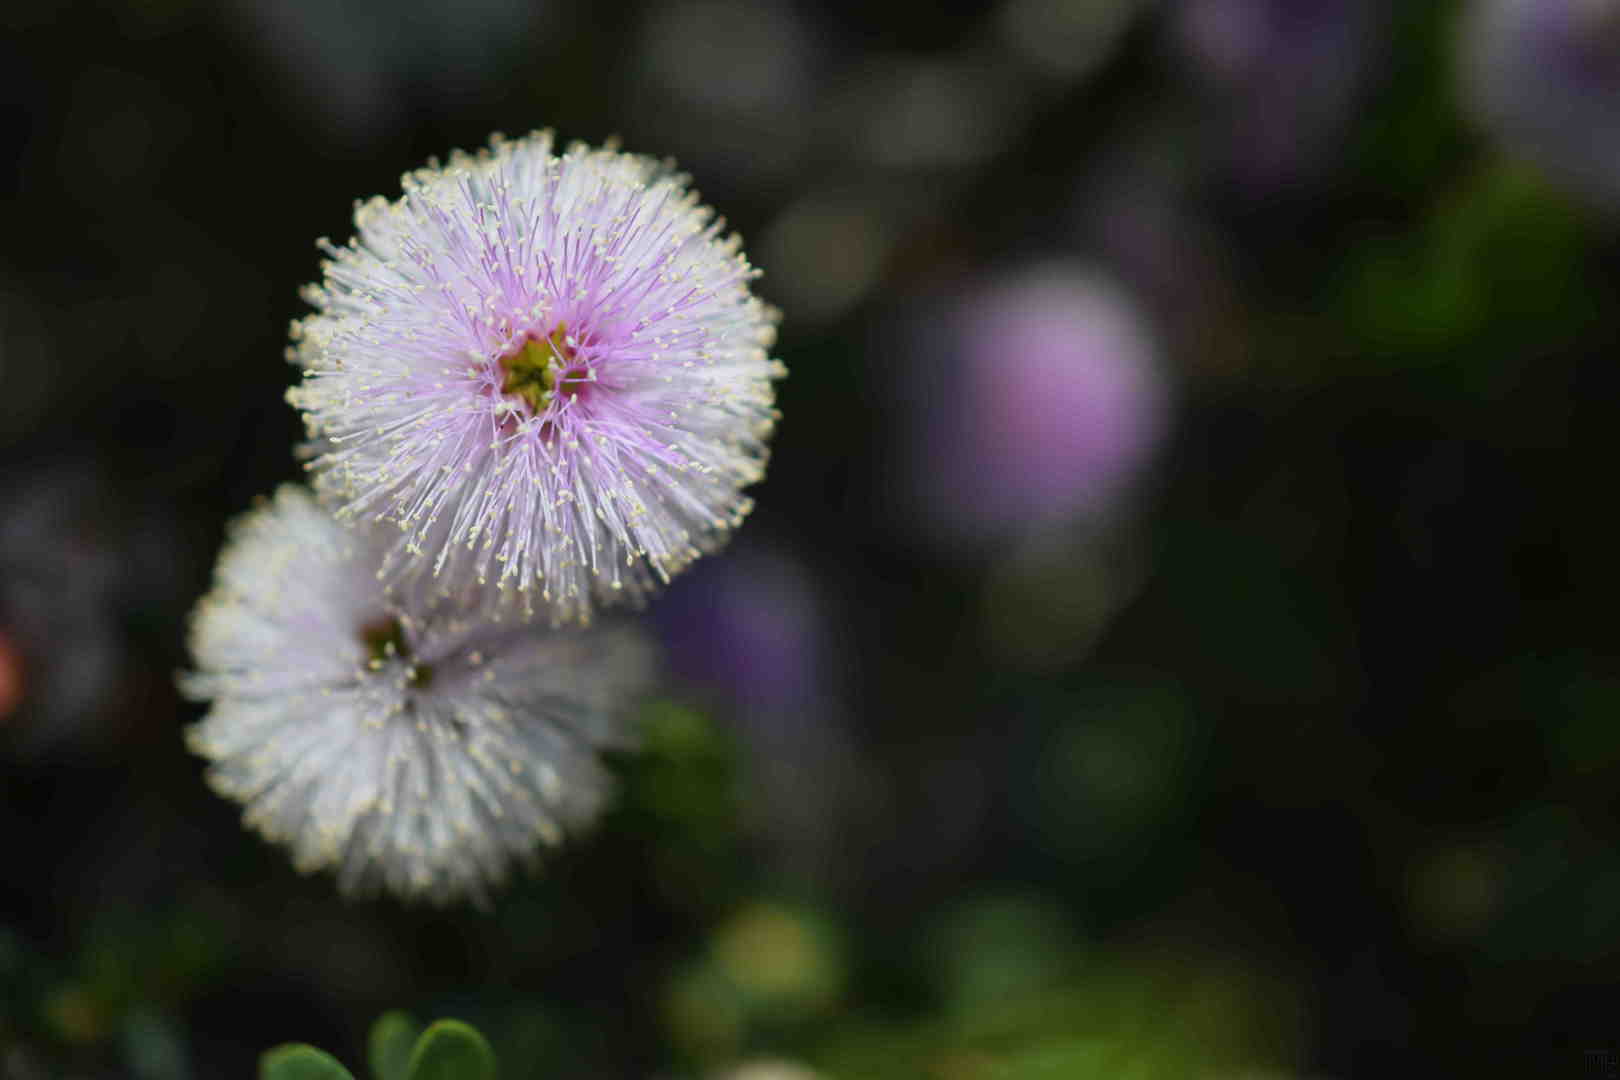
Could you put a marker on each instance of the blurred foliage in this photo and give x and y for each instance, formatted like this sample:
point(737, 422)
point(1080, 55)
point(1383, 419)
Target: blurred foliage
point(1502, 256)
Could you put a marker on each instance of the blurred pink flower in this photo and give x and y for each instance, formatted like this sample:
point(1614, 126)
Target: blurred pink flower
point(1036, 399)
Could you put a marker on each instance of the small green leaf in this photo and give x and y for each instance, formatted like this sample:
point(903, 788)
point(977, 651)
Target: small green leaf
point(300, 1061)
point(451, 1050)
point(388, 1049)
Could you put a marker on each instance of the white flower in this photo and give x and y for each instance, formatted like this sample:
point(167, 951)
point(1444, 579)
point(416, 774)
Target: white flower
point(413, 742)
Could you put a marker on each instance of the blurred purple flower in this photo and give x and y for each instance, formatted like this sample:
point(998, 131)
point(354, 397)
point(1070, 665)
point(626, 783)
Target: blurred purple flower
point(1036, 399)
point(758, 629)
point(1285, 74)
point(411, 742)
point(548, 370)
point(750, 626)
point(1544, 76)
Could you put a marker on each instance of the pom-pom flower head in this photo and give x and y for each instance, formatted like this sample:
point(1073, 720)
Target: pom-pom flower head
point(408, 740)
point(549, 370)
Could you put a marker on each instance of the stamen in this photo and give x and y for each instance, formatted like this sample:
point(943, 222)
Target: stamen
point(385, 641)
point(540, 368)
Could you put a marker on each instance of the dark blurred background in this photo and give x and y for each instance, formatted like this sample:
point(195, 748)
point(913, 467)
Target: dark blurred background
point(1176, 634)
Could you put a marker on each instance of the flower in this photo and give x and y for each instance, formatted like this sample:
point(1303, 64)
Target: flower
point(1035, 399)
point(411, 741)
point(1544, 76)
point(751, 626)
point(1284, 76)
point(548, 370)
point(754, 633)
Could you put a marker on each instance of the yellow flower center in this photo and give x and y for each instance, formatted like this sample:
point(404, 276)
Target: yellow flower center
point(539, 368)
point(384, 640)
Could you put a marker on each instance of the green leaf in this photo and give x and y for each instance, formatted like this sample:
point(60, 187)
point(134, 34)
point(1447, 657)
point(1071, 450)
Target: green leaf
point(451, 1050)
point(388, 1050)
point(300, 1061)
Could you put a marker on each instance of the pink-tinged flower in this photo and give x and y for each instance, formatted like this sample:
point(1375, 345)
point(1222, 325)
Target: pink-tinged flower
point(410, 741)
point(1544, 76)
point(548, 370)
point(1034, 399)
